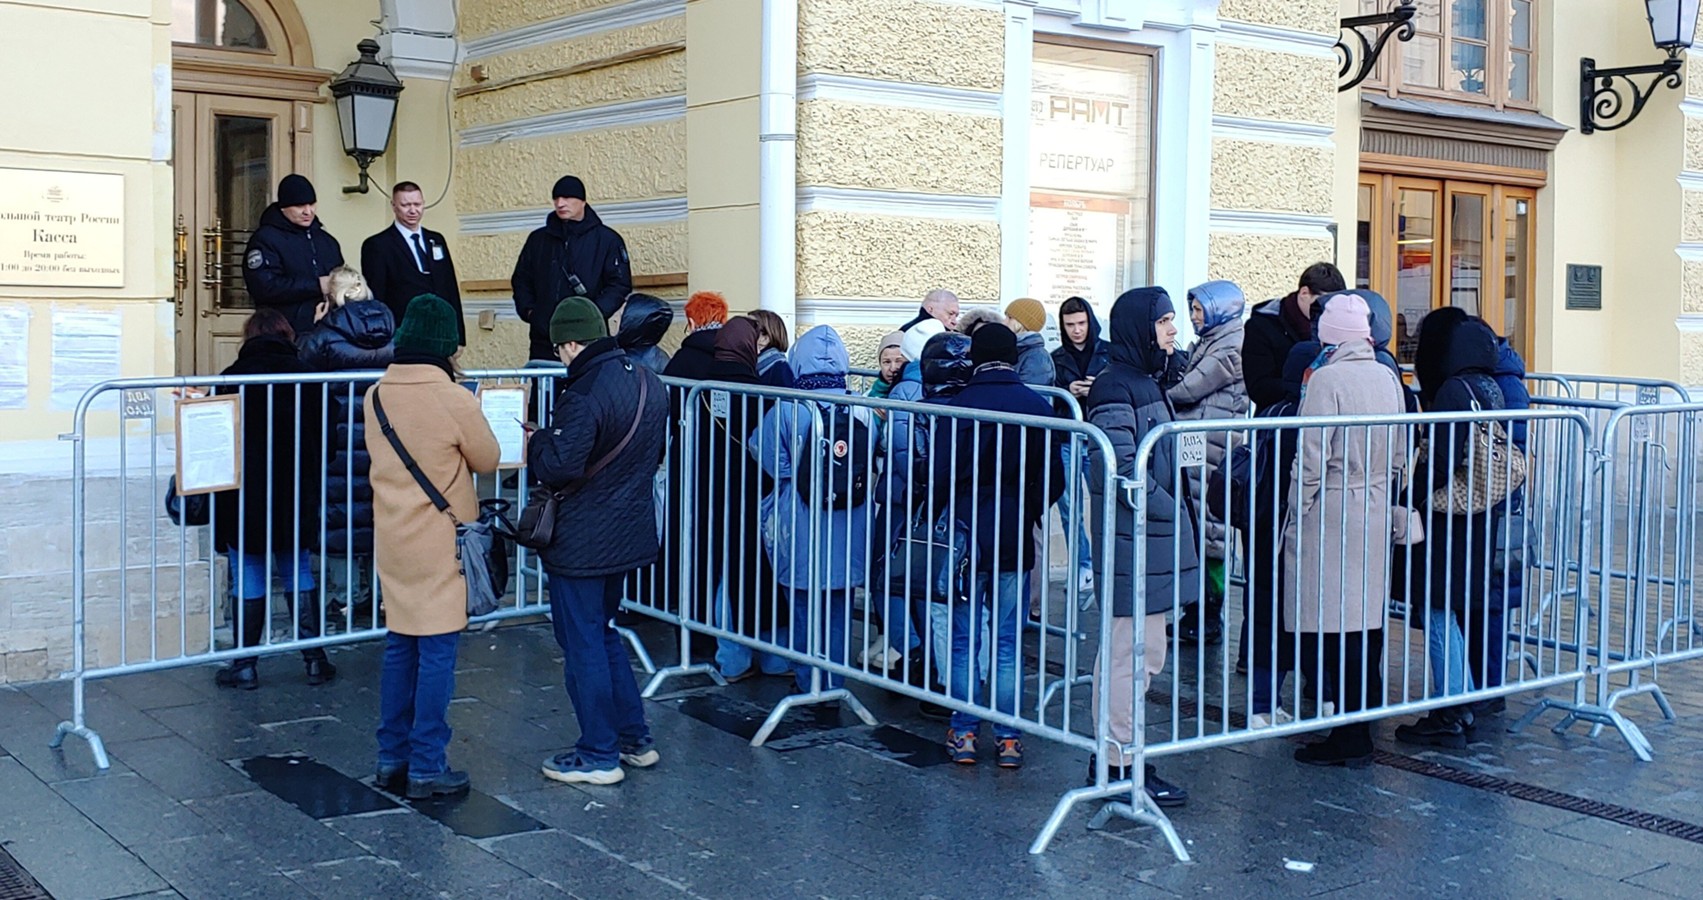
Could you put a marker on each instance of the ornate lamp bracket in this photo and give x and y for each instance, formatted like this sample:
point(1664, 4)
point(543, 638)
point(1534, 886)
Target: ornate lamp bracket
point(1360, 50)
point(1602, 104)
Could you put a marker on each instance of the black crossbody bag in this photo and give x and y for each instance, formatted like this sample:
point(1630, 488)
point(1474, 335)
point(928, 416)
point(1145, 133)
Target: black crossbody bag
point(537, 525)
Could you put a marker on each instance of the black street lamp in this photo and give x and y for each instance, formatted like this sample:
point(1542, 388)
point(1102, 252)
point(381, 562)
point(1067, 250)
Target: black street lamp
point(1359, 61)
point(366, 95)
point(1673, 25)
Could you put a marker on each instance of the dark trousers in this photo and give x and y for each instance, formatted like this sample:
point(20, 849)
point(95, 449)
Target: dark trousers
point(595, 669)
point(1357, 658)
point(416, 684)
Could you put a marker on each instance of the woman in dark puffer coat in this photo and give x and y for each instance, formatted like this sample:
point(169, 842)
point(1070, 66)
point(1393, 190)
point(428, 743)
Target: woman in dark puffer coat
point(355, 335)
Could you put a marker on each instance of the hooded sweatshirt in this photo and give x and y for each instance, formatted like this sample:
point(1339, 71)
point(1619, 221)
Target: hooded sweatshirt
point(644, 321)
point(1457, 354)
point(1126, 402)
point(1072, 363)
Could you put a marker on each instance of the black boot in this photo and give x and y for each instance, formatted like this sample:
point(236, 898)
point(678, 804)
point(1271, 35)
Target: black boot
point(1446, 727)
point(1348, 745)
point(240, 674)
point(447, 784)
point(1214, 630)
point(319, 668)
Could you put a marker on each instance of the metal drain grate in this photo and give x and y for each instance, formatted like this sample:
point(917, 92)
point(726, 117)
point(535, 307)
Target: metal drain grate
point(17, 884)
point(1519, 790)
point(1621, 815)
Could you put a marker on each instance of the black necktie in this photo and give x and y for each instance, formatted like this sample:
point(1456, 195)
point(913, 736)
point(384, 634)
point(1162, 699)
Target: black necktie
point(420, 251)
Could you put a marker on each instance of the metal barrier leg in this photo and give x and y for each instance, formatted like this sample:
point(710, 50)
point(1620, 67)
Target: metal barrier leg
point(633, 640)
point(1598, 716)
point(816, 696)
point(685, 668)
point(79, 727)
point(1143, 811)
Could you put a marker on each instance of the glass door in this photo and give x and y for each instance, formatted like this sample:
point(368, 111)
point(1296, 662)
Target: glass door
point(1417, 282)
point(229, 153)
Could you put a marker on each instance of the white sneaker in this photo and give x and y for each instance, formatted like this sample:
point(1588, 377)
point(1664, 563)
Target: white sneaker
point(1327, 709)
point(886, 659)
point(877, 643)
point(1085, 581)
point(1277, 717)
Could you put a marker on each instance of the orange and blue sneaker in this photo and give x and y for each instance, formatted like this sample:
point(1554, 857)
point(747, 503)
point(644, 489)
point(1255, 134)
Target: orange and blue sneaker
point(1010, 753)
point(962, 746)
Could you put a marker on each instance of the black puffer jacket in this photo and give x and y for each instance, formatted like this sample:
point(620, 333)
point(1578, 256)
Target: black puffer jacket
point(644, 321)
point(277, 507)
point(1266, 342)
point(282, 265)
point(590, 251)
point(693, 360)
point(607, 525)
point(355, 337)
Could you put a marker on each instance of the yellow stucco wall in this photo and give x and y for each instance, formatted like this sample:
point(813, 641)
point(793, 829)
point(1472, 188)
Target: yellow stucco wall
point(899, 149)
point(919, 41)
point(856, 255)
point(1263, 84)
point(1304, 15)
point(657, 76)
point(653, 248)
point(1273, 177)
point(1262, 265)
point(488, 16)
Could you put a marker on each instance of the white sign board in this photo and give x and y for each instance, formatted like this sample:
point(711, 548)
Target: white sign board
point(61, 229)
point(209, 445)
point(505, 412)
point(1191, 449)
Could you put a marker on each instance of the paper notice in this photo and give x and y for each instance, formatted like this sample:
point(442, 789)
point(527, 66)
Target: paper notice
point(505, 410)
point(85, 353)
point(209, 445)
point(14, 357)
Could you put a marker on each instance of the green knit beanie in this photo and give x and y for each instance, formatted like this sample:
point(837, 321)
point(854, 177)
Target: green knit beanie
point(429, 326)
point(577, 319)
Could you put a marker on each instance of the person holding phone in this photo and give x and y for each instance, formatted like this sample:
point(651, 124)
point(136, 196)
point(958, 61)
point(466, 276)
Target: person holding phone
point(572, 255)
point(1076, 363)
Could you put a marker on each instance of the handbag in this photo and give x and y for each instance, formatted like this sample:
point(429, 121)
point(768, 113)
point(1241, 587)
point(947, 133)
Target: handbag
point(537, 524)
point(1491, 473)
point(477, 543)
point(186, 512)
point(935, 557)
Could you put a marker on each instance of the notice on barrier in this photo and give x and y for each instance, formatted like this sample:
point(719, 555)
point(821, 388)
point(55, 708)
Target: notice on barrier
point(505, 411)
point(1191, 449)
point(14, 356)
point(209, 445)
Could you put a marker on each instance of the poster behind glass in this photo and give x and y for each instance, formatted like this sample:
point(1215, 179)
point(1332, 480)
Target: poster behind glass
point(1090, 174)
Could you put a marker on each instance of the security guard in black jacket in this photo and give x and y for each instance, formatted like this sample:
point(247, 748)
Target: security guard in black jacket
point(573, 255)
point(290, 255)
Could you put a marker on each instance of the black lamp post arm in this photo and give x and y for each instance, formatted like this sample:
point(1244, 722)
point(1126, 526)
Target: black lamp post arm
point(1357, 64)
point(1601, 97)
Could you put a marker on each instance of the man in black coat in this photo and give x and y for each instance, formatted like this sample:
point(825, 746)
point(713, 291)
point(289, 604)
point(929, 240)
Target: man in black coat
point(1275, 327)
point(290, 256)
point(405, 260)
point(573, 255)
point(601, 452)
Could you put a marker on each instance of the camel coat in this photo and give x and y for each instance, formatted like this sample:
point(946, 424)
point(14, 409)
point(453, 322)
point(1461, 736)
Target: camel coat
point(441, 425)
point(1336, 538)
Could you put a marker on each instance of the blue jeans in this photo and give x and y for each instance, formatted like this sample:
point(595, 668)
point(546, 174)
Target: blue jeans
point(250, 586)
point(830, 634)
point(595, 669)
point(248, 573)
point(1006, 683)
point(1072, 463)
point(734, 658)
point(1445, 648)
point(416, 684)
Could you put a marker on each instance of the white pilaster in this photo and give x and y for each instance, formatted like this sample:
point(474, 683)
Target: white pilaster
point(1014, 107)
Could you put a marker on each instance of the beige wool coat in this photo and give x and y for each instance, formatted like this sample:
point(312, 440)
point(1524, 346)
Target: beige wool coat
point(1337, 536)
point(440, 424)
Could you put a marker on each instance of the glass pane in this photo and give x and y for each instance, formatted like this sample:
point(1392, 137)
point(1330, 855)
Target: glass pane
point(1520, 26)
point(1468, 20)
point(1429, 16)
point(1516, 288)
point(1466, 252)
point(1421, 60)
point(1363, 240)
point(1090, 174)
point(1520, 76)
point(242, 185)
point(1416, 232)
point(216, 23)
point(1466, 68)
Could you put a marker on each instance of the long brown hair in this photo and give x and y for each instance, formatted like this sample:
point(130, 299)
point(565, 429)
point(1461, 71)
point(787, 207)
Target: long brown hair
point(268, 322)
point(772, 327)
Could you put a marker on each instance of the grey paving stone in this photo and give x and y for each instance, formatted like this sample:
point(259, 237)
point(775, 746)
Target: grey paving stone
point(106, 711)
point(217, 867)
point(1678, 879)
point(278, 832)
point(26, 727)
point(132, 810)
point(70, 855)
point(422, 848)
point(178, 768)
point(584, 867)
point(363, 876)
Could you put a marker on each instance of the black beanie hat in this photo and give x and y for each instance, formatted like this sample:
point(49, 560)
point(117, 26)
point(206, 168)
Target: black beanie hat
point(993, 343)
point(295, 190)
point(568, 186)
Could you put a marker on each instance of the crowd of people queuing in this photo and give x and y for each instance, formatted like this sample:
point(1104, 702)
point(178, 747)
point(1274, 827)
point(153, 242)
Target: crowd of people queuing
point(1316, 583)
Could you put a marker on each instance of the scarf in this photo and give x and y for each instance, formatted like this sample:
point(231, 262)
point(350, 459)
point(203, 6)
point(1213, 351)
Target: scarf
point(1298, 322)
point(415, 358)
point(881, 388)
point(736, 342)
point(821, 382)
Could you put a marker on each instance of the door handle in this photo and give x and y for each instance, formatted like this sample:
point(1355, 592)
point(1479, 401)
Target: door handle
point(213, 265)
point(180, 260)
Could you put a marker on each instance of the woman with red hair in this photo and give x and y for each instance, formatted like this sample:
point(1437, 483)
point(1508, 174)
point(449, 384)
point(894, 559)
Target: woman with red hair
point(706, 312)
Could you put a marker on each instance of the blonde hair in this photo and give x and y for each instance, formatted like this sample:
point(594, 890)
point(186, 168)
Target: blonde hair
point(348, 284)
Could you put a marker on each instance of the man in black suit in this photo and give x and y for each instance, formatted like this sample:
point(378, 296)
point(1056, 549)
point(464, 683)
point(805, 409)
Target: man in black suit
point(405, 260)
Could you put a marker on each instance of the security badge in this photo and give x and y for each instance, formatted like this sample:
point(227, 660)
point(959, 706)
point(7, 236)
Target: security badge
point(255, 259)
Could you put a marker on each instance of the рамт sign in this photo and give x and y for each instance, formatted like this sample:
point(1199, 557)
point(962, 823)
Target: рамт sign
point(61, 229)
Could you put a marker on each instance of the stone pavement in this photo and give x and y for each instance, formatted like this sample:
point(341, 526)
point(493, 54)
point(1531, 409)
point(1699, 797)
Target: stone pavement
point(220, 795)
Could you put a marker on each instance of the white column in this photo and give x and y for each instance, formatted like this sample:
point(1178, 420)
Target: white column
point(1014, 107)
point(777, 172)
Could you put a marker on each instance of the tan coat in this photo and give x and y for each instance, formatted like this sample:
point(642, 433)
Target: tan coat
point(441, 425)
point(1336, 539)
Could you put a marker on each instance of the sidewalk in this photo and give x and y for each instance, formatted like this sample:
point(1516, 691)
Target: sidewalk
point(223, 794)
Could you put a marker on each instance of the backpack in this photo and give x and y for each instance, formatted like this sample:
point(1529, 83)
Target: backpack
point(847, 469)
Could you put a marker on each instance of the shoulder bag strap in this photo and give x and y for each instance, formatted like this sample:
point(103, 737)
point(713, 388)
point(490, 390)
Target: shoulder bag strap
point(638, 416)
point(432, 493)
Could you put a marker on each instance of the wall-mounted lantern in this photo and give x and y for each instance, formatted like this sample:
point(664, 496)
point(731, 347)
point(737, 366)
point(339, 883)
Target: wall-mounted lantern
point(1602, 105)
point(366, 95)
